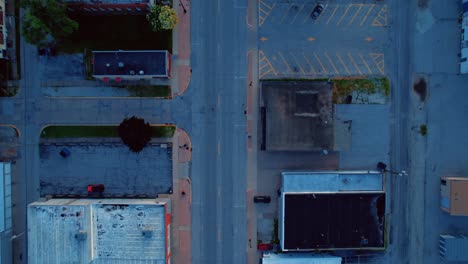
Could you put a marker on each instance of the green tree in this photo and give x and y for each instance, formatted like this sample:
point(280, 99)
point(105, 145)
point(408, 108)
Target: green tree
point(44, 19)
point(135, 133)
point(162, 17)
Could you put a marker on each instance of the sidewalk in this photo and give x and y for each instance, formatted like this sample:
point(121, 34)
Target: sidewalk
point(181, 199)
point(181, 70)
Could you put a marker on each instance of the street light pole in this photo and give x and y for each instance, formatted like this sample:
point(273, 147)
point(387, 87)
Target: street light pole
point(383, 168)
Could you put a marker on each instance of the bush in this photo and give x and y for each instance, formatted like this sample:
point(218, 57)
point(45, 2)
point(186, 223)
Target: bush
point(423, 130)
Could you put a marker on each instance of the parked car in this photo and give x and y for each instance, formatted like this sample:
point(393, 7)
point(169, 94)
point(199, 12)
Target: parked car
point(262, 199)
point(95, 188)
point(317, 11)
point(265, 247)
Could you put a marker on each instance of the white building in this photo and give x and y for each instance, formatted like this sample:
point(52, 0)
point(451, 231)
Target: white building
point(117, 231)
point(5, 213)
point(299, 258)
point(464, 39)
point(3, 30)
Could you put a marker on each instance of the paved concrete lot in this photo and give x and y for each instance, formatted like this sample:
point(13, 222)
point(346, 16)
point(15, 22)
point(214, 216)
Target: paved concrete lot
point(347, 39)
point(370, 135)
point(112, 164)
point(67, 67)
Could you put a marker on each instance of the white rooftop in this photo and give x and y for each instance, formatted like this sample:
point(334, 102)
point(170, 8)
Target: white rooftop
point(97, 231)
point(331, 181)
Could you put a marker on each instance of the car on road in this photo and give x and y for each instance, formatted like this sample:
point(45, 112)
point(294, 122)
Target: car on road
point(262, 199)
point(317, 11)
point(95, 188)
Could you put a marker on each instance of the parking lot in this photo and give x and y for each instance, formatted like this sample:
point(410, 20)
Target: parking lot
point(346, 39)
point(122, 172)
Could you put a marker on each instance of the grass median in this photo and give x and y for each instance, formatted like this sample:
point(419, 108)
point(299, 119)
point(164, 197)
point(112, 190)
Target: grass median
point(99, 131)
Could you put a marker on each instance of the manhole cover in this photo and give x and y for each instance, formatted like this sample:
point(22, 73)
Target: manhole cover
point(421, 89)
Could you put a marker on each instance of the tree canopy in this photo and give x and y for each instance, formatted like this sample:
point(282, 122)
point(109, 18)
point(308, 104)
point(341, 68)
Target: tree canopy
point(135, 133)
point(162, 17)
point(44, 19)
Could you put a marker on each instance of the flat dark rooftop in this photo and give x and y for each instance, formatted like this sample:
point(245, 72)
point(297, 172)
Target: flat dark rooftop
point(150, 62)
point(325, 221)
point(298, 115)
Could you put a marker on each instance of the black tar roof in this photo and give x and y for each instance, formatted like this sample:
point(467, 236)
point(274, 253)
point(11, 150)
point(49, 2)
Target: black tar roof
point(150, 62)
point(321, 221)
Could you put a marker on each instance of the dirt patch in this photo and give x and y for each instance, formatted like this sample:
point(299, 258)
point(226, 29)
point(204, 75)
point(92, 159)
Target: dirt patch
point(421, 89)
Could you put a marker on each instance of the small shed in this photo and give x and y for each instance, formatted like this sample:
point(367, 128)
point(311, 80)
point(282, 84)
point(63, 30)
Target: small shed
point(454, 195)
point(453, 247)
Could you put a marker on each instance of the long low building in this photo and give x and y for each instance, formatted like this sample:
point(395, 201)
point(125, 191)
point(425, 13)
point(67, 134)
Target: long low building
point(332, 210)
point(131, 64)
point(117, 231)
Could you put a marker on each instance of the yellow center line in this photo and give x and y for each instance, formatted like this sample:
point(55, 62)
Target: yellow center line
point(219, 234)
point(310, 65)
point(298, 64)
point(300, 10)
point(219, 149)
point(331, 62)
point(323, 12)
point(320, 62)
point(352, 19)
point(342, 63)
point(287, 65)
point(334, 11)
point(355, 65)
point(365, 63)
point(344, 14)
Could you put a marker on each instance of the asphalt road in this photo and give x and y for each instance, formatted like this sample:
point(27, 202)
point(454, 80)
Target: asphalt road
point(218, 135)
point(401, 71)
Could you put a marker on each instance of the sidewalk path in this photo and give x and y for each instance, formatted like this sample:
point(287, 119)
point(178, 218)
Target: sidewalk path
point(182, 70)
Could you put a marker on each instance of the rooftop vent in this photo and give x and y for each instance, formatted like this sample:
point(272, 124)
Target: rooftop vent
point(147, 232)
point(81, 235)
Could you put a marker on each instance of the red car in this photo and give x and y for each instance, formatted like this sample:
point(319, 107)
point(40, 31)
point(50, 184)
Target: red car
point(265, 247)
point(96, 188)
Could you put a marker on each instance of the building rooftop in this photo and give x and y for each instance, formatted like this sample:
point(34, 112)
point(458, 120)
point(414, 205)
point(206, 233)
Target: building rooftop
point(333, 221)
point(108, 1)
point(97, 231)
point(298, 115)
point(128, 63)
point(331, 181)
point(332, 210)
point(299, 258)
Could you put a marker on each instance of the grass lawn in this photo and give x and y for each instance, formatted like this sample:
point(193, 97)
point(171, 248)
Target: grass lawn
point(98, 131)
point(345, 87)
point(147, 90)
point(114, 32)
